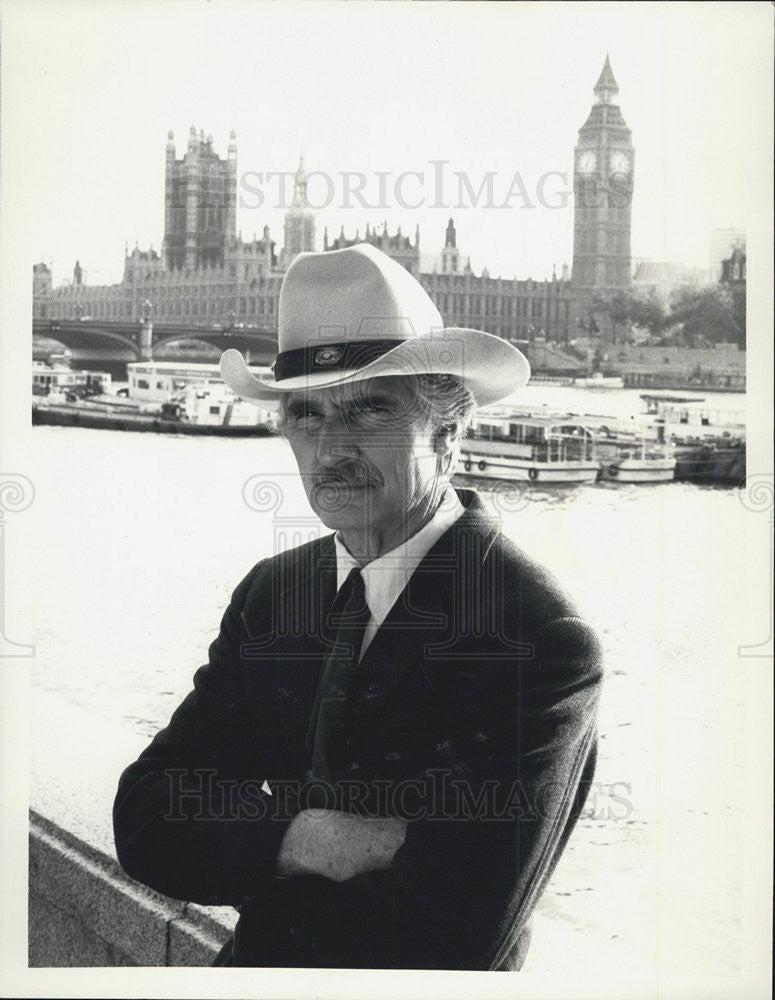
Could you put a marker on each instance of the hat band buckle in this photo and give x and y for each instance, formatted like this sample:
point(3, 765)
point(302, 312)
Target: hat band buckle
point(345, 356)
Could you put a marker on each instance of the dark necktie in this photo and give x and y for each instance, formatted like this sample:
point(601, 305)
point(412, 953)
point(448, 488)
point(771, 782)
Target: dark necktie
point(349, 615)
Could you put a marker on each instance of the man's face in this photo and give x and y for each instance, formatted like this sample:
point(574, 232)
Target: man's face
point(366, 457)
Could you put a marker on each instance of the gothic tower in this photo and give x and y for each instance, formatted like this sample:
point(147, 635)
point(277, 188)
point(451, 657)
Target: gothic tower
point(299, 220)
point(602, 185)
point(450, 255)
point(200, 203)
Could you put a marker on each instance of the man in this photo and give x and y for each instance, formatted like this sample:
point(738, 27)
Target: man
point(393, 738)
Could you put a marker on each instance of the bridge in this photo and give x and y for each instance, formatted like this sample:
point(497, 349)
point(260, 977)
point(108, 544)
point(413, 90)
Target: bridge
point(141, 338)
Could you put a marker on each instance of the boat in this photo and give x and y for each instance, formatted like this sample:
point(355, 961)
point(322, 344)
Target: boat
point(599, 381)
point(60, 383)
point(514, 445)
point(709, 441)
point(627, 457)
point(551, 379)
point(163, 397)
point(169, 420)
point(720, 462)
point(691, 419)
point(194, 393)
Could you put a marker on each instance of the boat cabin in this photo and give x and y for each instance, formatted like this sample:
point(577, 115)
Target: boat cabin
point(56, 380)
point(692, 415)
point(541, 438)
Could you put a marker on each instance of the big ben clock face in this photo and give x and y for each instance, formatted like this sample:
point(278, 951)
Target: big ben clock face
point(619, 162)
point(587, 162)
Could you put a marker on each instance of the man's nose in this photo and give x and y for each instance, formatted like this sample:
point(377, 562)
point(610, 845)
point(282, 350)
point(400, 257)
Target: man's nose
point(335, 442)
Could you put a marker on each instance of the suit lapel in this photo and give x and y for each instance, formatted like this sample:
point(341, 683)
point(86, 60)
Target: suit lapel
point(287, 644)
point(439, 603)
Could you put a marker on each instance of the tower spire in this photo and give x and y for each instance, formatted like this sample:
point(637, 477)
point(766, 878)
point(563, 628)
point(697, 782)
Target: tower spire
point(300, 186)
point(299, 219)
point(606, 87)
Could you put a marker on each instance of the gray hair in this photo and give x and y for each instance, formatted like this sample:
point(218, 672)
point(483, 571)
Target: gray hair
point(447, 401)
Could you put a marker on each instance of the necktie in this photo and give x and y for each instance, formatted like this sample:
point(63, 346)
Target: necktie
point(349, 615)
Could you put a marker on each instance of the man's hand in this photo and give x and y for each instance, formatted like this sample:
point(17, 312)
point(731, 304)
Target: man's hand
point(338, 845)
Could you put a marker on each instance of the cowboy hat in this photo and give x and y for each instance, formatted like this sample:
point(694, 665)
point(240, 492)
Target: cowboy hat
point(348, 315)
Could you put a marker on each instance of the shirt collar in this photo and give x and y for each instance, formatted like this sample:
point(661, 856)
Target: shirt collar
point(385, 577)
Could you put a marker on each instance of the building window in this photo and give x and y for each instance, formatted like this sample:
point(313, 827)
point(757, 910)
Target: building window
point(143, 383)
point(215, 410)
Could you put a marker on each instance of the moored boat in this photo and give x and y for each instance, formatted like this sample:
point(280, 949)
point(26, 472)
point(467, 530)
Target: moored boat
point(599, 381)
point(163, 397)
point(720, 462)
point(626, 458)
point(708, 440)
point(692, 419)
point(59, 382)
point(540, 379)
point(507, 444)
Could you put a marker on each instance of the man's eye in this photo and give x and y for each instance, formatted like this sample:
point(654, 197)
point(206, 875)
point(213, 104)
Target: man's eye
point(368, 407)
point(305, 416)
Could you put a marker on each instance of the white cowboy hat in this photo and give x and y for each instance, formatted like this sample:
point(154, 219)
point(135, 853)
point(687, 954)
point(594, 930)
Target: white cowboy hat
point(348, 315)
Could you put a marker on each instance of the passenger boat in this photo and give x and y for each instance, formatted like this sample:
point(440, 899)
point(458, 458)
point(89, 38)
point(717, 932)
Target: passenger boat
point(551, 379)
point(194, 393)
point(162, 397)
point(691, 419)
point(599, 381)
point(59, 382)
point(627, 457)
point(718, 462)
point(708, 440)
point(508, 444)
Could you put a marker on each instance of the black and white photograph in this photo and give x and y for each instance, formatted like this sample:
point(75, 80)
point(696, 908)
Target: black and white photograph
point(386, 499)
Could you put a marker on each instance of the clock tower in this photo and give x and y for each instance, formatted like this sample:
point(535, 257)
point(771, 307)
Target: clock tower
point(602, 186)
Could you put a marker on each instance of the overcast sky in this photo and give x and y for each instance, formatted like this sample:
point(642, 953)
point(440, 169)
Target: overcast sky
point(90, 90)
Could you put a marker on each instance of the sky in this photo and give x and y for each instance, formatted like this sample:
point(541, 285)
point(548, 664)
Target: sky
point(90, 90)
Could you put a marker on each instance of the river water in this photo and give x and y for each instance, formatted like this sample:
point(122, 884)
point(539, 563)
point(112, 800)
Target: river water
point(140, 539)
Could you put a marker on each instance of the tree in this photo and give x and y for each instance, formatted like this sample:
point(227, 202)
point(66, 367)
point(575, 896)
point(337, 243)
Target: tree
point(647, 311)
point(627, 308)
point(706, 315)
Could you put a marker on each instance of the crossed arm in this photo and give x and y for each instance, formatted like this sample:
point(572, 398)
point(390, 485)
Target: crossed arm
point(338, 845)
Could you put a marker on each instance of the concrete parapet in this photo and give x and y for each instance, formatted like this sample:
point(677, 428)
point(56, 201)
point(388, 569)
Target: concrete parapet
point(83, 909)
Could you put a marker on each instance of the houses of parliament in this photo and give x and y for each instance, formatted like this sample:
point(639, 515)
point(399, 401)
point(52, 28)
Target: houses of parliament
point(206, 274)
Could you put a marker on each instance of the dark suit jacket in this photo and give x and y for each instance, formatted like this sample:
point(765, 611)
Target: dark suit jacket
point(473, 717)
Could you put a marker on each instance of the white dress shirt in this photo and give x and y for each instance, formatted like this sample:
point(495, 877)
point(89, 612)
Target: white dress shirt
point(385, 577)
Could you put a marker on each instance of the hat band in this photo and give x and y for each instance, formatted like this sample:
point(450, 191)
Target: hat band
point(351, 354)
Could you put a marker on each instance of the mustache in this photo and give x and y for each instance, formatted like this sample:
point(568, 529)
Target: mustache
point(347, 474)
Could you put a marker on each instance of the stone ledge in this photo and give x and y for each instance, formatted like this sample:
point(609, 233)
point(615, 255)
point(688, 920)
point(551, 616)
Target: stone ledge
point(83, 908)
point(95, 894)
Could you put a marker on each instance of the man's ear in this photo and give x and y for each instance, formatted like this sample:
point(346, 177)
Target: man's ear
point(446, 437)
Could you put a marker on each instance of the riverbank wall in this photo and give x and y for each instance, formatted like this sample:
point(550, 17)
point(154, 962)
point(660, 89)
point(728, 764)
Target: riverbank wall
point(722, 368)
point(83, 909)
